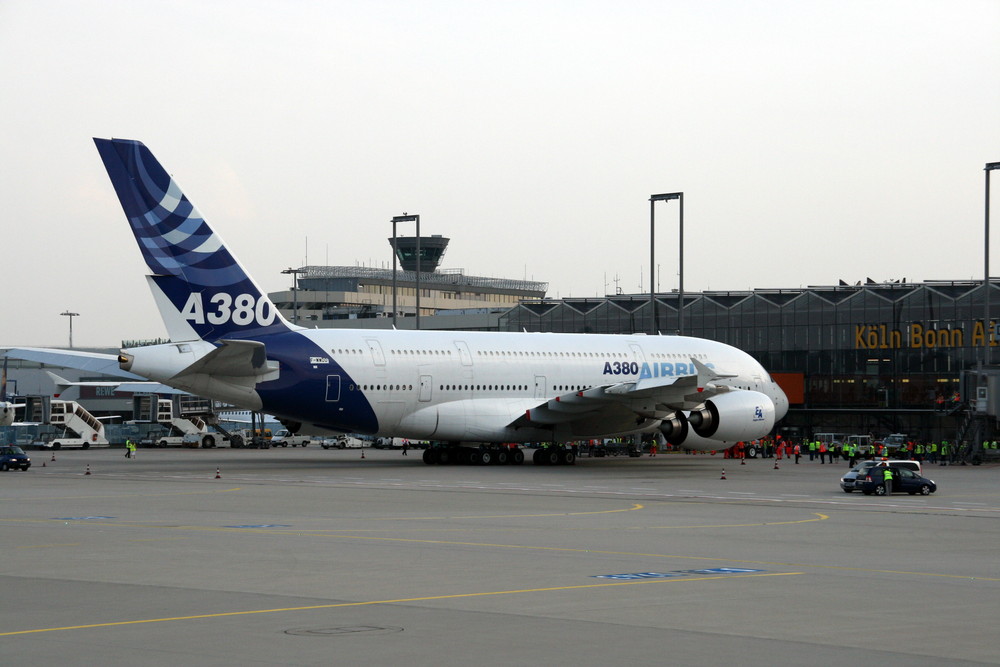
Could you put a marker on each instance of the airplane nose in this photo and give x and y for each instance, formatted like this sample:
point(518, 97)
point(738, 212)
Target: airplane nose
point(780, 402)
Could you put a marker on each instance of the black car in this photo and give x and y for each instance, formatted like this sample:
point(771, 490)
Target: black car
point(902, 480)
point(13, 457)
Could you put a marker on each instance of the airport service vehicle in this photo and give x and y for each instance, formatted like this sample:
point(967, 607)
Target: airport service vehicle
point(835, 439)
point(284, 438)
point(864, 445)
point(342, 442)
point(903, 480)
point(231, 344)
point(894, 442)
point(198, 439)
point(14, 457)
point(80, 428)
point(852, 478)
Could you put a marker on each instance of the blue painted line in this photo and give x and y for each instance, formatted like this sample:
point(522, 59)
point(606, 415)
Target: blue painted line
point(632, 576)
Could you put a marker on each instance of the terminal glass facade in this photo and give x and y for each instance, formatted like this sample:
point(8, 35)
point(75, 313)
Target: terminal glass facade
point(880, 346)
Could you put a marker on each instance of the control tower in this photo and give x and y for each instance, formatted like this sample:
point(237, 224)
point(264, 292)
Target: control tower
point(431, 252)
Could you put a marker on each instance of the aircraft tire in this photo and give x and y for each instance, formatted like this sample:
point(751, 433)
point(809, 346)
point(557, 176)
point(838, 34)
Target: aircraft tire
point(567, 457)
point(86, 445)
point(552, 457)
point(502, 457)
point(208, 441)
point(536, 458)
point(516, 457)
point(486, 457)
point(430, 456)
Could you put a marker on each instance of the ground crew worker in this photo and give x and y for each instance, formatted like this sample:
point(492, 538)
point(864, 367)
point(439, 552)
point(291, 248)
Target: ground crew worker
point(812, 450)
point(128, 448)
point(944, 453)
point(887, 480)
point(822, 453)
point(798, 452)
point(932, 452)
point(131, 449)
point(852, 454)
point(918, 450)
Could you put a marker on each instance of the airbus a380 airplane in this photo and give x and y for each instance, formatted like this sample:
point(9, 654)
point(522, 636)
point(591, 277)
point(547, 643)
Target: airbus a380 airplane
point(230, 343)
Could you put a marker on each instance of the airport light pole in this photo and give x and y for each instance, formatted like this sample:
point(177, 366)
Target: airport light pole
point(652, 260)
point(397, 219)
point(70, 316)
point(987, 330)
point(295, 291)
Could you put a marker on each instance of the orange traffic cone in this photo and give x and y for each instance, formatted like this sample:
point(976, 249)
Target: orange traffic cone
point(743, 460)
point(776, 464)
point(88, 470)
point(362, 452)
point(218, 473)
point(43, 464)
point(53, 456)
point(723, 474)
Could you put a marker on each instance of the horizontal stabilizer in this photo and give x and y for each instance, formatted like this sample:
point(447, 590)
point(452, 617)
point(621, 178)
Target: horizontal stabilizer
point(234, 359)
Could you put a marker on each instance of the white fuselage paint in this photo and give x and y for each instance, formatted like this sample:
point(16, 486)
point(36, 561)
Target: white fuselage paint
point(470, 386)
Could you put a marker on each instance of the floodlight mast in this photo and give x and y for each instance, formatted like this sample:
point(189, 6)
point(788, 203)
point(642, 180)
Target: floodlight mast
point(654, 329)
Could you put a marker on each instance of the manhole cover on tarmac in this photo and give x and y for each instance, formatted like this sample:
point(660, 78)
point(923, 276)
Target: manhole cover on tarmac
point(348, 630)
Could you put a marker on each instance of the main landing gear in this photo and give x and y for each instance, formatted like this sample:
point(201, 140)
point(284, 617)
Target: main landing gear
point(485, 455)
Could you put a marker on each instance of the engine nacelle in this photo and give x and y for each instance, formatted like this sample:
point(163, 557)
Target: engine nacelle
point(734, 416)
point(293, 426)
point(6, 413)
point(675, 428)
point(678, 432)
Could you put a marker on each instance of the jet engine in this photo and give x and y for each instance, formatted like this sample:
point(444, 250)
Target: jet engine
point(727, 418)
point(6, 413)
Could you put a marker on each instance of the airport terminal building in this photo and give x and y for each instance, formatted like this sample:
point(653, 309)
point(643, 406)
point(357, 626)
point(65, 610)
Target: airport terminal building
point(865, 358)
point(877, 358)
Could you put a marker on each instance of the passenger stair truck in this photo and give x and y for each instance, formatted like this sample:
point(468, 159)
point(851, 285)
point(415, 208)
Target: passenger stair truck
point(80, 428)
point(189, 430)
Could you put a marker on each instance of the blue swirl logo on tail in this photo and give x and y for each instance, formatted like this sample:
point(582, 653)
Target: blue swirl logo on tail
point(205, 284)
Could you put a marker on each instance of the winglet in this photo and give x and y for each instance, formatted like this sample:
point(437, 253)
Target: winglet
point(707, 375)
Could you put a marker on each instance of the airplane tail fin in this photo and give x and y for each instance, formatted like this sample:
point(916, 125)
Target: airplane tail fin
point(200, 288)
point(3, 382)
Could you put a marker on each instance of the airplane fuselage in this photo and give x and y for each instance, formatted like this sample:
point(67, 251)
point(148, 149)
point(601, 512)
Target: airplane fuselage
point(469, 386)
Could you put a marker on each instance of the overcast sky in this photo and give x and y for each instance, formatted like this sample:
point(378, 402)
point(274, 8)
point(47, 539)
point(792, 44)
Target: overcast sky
point(814, 141)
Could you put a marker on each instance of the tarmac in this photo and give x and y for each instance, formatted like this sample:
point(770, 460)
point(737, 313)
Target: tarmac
point(319, 557)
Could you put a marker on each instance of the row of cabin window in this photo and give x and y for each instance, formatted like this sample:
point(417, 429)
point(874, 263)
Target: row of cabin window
point(445, 387)
point(478, 387)
point(511, 353)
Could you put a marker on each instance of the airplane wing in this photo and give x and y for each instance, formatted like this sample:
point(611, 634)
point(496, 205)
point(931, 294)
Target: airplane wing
point(625, 406)
point(91, 362)
point(62, 384)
